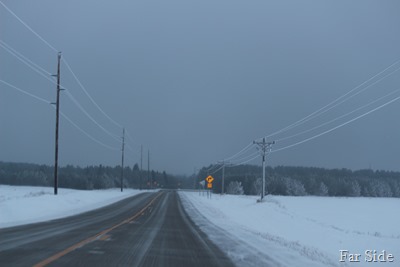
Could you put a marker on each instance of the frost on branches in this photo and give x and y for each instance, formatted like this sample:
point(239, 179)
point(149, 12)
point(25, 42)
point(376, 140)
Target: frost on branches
point(235, 188)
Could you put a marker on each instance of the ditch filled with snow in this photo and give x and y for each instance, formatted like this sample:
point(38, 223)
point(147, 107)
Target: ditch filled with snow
point(298, 231)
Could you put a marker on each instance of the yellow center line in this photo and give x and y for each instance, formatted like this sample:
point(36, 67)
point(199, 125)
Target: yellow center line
point(92, 238)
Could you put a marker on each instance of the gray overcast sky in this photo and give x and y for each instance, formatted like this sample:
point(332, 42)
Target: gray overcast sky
point(196, 81)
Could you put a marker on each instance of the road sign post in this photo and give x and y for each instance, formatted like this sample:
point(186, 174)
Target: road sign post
point(209, 180)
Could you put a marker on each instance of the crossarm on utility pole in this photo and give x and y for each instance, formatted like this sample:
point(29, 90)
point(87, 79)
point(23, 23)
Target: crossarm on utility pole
point(264, 147)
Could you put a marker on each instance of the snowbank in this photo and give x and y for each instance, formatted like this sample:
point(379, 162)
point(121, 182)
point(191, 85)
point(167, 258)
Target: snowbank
point(28, 204)
point(303, 231)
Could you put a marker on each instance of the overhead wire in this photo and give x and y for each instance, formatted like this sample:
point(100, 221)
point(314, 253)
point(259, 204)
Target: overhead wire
point(326, 108)
point(29, 28)
point(228, 159)
point(74, 75)
point(338, 118)
point(235, 164)
point(31, 64)
point(337, 127)
point(238, 153)
point(212, 167)
point(88, 95)
point(87, 134)
point(36, 68)
point(18, 55)
point(331, 129)
point(216, 170)
point(62, 114)
point(295, 124)
point(245, 158)
point(115, 137)
point(244, 162)
point(25, 92)
point(332, 104)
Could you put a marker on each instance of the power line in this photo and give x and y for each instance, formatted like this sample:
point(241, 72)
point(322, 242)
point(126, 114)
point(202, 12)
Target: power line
point(87, 134)
point(90, 117)
point(323, 133)
point(327, 107)
point(323, 110)
point(29, 28)
point(89, 96)
point(216, 170)
point(213, 166)
point(70, 69)
point(18, 55)
point(340, 117)
point(62, 114)
point(238, 153)
point(25, 92)
point(218, 163)
point(244, 159)
point(26, 61)
point(244, 162)
point(337, 127)
point(35, 67)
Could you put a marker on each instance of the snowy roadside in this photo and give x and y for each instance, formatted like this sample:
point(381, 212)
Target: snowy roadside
point(29, 204)
point(297, 231)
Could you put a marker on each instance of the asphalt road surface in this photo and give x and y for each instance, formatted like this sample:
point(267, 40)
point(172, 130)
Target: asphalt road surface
point(149, 229)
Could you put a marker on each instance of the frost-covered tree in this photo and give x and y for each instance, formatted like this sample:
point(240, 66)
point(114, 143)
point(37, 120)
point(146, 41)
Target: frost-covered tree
point(256, 187)
point(395, 185)
point(355, 189)
point(322, 190)
point(235, 188)
point(294, 187)
point(382, 189)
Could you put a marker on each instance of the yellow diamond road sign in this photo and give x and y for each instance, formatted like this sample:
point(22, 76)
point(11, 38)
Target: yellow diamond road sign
point(209, 179)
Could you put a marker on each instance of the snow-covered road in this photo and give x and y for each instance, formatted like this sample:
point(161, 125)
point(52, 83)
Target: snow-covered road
point(282, 231)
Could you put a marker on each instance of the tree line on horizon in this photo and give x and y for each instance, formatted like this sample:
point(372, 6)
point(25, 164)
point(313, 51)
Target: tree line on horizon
point(244, 179)
point(302, 181)
point(89, 177)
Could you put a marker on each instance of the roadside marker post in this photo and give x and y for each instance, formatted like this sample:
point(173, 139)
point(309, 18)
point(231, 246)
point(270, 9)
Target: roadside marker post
point(201, 188)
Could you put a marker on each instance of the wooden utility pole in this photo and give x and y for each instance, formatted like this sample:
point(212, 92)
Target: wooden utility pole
point(223, 178)
point(57, 124)
point(122, 164)
point(148, 167)
point(141, 167)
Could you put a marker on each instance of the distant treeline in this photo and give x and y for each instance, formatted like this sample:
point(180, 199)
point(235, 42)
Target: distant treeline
point(300, 181)
point(90, 177)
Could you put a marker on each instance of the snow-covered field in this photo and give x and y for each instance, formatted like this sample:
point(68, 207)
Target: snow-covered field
point(299, 231)
point(28, 204)
point(282, 231)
